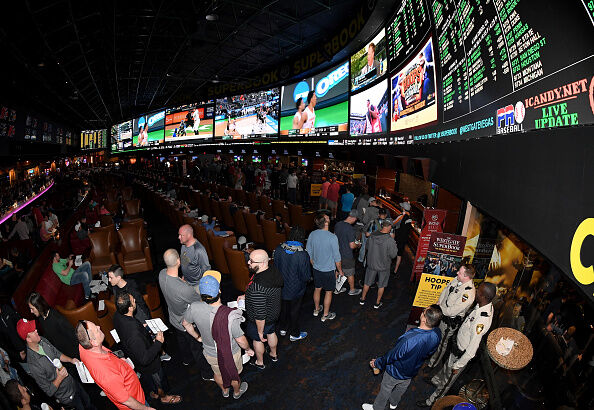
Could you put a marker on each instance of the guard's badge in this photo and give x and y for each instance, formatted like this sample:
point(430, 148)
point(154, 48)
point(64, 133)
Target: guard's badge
point(464, 297)
point(479, 328)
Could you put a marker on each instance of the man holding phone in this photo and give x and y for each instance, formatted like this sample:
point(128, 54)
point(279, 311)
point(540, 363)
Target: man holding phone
point(83, 274)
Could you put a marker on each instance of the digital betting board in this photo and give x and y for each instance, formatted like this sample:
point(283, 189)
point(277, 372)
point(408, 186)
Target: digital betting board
point(92, 139)
point(409, 26)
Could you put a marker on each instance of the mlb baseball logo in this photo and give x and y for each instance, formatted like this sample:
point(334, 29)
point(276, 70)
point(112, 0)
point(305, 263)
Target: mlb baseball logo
point(505, 116)
point(519, 112)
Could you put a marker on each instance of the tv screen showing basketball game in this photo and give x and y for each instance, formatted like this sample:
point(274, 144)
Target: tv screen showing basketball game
point(413, 91)
point(148, 129)
point(369, 63)
point(316, 106)
point(189, 122)
point(253, 115)
point(369, 110)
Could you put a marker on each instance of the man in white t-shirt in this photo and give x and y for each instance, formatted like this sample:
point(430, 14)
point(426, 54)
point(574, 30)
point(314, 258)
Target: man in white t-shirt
point(308, 117)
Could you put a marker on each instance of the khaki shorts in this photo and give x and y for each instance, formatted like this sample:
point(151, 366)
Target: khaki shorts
point(214, 363)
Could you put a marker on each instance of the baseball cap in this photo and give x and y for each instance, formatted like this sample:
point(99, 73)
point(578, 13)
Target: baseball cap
point(387, 222)
point(372, 199)
point(204, 218)
point(354, 213)
point(209, 286)
point(405, 205)
point(215, 274)
point(24, 327)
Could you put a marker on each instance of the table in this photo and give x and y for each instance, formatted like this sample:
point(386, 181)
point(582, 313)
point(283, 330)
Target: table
point(521, 353)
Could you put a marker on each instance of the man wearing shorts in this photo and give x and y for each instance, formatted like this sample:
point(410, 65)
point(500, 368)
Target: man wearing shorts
point(324, 255)
point(347, 242)
point(333, 196)
point(203, 314)
point(324, 195)
point(381, 249)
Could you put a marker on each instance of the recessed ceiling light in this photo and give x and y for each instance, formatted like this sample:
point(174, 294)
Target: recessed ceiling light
point(212, 17)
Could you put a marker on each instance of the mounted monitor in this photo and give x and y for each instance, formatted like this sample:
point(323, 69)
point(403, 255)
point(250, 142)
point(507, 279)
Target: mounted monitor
point(325, 114)
point(369, 63)
point(189, 122)
point(148, 130)
point(253, 115)
point(369, 110)
point(93, 139)
point(123, 135)
point(413, 91)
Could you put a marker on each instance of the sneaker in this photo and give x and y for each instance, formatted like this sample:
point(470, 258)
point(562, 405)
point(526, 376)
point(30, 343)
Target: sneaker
point(242, 389)
point(378, 305)
point(225, 395)
point(165, 357)
point(361, 301)
point(317, 311)
point(329, 316)
point(283, 332)
point(355, 292)
point(367, 406)
point(302, 335)
point(186, 363)
point(256, 365)
point(338, 292)
point(273, 358)
point(392, 407)
point(208, 378)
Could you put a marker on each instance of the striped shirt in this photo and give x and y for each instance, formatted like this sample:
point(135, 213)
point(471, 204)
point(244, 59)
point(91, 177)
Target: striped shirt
point(262, 303)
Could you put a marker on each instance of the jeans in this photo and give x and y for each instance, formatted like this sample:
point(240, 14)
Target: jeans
point(81, 400)
point(391, 391)
point(289, 317)
point(189, 347)
point(83, 275)
point(154, 382)
point(292, 195)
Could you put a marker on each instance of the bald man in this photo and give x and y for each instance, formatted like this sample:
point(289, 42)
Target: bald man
point(262, 304)
point(179, 295)
point(194, 259)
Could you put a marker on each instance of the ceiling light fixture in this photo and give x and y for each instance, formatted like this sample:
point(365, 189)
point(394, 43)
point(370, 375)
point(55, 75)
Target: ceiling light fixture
point(212, 17)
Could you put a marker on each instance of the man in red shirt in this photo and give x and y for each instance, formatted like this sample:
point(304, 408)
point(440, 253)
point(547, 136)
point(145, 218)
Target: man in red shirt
point(324, 195)
point(333, 196)
point(112, 374)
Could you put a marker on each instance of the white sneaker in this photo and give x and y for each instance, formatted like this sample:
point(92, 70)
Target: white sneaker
point(338, 292)
point(392, 407)
point(283, 332)
point(355, 292)
point(317, 311)
point(367, 406)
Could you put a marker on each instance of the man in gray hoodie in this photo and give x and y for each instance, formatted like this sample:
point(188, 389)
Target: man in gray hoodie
point(381, 249)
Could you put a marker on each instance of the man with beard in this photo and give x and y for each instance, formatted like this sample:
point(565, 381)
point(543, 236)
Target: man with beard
point(262, 304)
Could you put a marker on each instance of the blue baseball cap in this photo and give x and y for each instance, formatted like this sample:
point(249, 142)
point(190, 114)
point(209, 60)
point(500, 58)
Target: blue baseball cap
point(209, 285)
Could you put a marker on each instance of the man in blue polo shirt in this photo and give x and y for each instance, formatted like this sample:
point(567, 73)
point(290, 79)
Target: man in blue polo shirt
point(403, 362)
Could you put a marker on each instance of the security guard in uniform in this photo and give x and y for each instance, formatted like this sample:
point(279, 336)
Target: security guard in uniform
point(468, 339)
point(454, 302)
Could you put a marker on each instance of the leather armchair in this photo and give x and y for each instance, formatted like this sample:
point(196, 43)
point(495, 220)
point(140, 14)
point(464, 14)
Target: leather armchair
point(200, 234)
point(102, 255)
point(217, 243)
point(271, 238)
point(113, 207)
point(226, 214)
point(132, 208)
point(254, 229)
point(278, 207)
point(135, 254)
point(240, 276)
point(239, 220)
point(85, 312)
point(127, 193)
point(105, 319)
point(153, 301)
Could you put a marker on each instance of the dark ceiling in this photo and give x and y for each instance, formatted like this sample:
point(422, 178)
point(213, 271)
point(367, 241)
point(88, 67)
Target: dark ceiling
point(92, 64)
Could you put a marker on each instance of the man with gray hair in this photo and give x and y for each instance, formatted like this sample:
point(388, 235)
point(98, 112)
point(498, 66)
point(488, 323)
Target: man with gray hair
point(179, 295)
point(194, 259)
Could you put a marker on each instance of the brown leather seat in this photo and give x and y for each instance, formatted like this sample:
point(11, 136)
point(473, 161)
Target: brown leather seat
point(278, 207)
point(307, 221)
point(127, 193)
point(240, 226)
point(113, 207)
point(254, 229)
point(134, 255)
point(102, 254)
point(105, 220)
point(217, 243)
point(137, 222)
point(216, 210)
point(271, 238)
point(265, 206)
point(153, 301)
point(240, 276)
point(132, 208)
point(85, 312)
point(226, 214)
point(200, 234)
point(295, 212)
point(112, 195)
point(105, 319)
point(253, 201)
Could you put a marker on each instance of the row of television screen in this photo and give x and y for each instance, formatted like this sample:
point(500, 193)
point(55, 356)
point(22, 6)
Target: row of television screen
point(317, 106)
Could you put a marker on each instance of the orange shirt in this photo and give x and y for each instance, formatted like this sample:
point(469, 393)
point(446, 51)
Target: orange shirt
point(325, 186)
point(115, 376)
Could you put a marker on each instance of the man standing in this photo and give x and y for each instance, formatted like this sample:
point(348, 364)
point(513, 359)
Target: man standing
point(179, 295)
point(292, 187)
point(292, 261)
point(83, 274)
point(194, 260)
point(324, 254)
point(141, 349)
point(402, 363)
point(345, 233)
point(454, 301)
point(113, 375)
point(324, 194)
point(370, 214)
point(45, 366)
point(467, 342)
point(222, 337)
point(263, 304)
point(404, 222)
point(115, 275)
point(20, 229)
point(381, 249)
point(333, 196)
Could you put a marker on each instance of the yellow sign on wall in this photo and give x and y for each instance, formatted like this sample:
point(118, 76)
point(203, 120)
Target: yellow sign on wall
point(430, 287)
point(315, 190)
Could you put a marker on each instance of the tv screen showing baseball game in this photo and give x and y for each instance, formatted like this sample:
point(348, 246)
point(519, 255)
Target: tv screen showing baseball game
point(148, 129)
point(369, 110)
point(413, 91)
point(250, 115)
point(189, 122)
point(369, 63)
point(317, 106)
